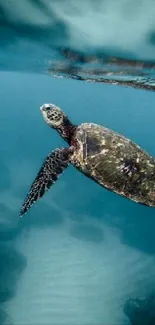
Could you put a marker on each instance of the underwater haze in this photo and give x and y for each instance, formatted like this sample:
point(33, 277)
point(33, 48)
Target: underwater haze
point(82, 251)
point(82, 255)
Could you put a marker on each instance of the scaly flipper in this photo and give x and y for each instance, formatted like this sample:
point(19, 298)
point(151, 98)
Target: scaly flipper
point(53, 166)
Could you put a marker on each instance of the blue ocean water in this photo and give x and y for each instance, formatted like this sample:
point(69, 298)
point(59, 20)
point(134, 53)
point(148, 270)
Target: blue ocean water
point(82, 251)
point(82, 255)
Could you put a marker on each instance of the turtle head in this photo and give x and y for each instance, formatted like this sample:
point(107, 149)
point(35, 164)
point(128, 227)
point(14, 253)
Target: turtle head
point(56, 119)
point(53, 115)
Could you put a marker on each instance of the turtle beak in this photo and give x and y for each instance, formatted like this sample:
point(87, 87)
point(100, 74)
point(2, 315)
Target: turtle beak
point(43, 107)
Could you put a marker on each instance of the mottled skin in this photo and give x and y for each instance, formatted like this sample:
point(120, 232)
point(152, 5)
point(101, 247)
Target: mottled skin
point(103, 155)
point(115, 162)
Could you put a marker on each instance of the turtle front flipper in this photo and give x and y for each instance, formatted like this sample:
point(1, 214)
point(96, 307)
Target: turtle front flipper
point(53, 166)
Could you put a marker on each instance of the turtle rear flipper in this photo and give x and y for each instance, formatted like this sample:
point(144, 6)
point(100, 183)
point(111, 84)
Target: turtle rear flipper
point(53, 166)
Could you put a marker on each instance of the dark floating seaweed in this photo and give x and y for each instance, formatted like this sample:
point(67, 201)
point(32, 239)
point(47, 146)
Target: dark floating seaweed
point(104, 69)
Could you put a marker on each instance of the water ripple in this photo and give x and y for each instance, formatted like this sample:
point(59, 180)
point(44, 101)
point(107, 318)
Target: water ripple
point(106, 42)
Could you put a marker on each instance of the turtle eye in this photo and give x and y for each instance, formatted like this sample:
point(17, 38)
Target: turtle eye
point(48, 108)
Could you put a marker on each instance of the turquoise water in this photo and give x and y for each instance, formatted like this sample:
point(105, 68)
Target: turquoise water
point(82, 251)
point(82, 255)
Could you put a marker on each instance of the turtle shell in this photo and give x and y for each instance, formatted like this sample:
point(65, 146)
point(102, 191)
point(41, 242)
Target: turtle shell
point(115, 162)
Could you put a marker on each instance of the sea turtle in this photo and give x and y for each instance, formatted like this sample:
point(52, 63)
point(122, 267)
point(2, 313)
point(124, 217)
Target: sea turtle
point(110, 159)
